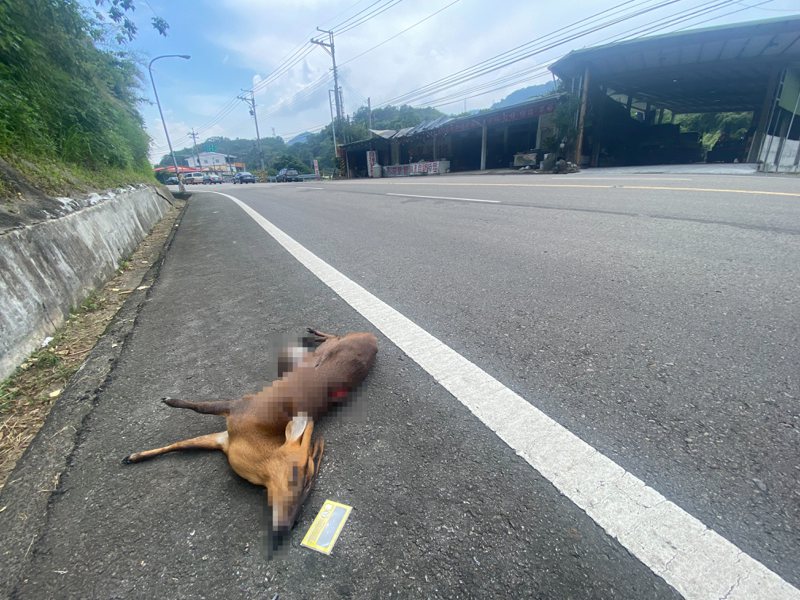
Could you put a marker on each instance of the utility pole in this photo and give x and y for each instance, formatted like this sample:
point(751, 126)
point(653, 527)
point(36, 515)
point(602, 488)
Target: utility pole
point(251, 102)
point(369, 112)
point(194, 145)
point(160, 112)
point(333, 122)
point(330, 49)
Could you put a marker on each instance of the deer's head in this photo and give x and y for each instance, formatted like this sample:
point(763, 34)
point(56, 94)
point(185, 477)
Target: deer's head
point(292, 472)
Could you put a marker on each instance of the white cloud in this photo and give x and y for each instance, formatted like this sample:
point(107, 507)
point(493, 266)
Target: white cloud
point(256, 36)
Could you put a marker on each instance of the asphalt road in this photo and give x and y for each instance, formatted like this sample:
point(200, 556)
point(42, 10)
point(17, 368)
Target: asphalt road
point(656, 317)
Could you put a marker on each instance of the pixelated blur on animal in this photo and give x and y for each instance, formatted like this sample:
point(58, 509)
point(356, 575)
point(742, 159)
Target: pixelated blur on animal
point(268, 440)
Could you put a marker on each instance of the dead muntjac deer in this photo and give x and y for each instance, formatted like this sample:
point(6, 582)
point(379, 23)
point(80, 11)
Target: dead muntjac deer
point(268, 435)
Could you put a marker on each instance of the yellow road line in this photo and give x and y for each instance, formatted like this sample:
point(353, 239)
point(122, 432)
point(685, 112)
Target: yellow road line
point(713, 190)
point(602, 186)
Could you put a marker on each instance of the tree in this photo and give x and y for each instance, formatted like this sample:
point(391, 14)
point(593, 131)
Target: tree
point(288, 161)
point(117, 12)
point(395, 117)
point(61, 96)
point(711, 126)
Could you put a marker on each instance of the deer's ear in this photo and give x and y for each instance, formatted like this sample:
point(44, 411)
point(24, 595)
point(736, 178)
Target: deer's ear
point(296, 427)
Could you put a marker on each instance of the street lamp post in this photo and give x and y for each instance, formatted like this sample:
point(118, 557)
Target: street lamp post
point(160, 112)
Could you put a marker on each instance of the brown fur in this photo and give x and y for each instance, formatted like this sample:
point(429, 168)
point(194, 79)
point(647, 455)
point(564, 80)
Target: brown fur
point(267, 440)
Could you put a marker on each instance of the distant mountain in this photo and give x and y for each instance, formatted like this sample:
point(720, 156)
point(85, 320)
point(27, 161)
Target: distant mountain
point(300, 138)
point(525, 93)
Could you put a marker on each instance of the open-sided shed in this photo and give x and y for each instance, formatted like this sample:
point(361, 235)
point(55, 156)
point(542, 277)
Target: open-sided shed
point(742, 67)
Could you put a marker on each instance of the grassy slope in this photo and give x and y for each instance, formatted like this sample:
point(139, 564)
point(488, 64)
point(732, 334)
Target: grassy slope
point(68, 110)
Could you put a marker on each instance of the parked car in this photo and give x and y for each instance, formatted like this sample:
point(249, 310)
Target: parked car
point(288, 175)
point(214, 178)
point(195, 177)
point(172, 181)
point(244, 177)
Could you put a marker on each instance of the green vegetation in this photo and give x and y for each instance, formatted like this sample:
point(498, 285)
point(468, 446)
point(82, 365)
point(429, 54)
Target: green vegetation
point(564, 127)
point(68, 109)
point(711, 126)
point(278, 154)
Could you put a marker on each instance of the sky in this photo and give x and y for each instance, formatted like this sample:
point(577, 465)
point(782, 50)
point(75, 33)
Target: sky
point(241, 45)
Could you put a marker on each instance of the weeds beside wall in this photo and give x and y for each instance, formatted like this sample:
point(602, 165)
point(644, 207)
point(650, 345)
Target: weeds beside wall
point(63, 100)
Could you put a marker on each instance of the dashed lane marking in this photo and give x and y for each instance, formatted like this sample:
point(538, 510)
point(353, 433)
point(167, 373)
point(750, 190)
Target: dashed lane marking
point(445, 198)
point(698, 562)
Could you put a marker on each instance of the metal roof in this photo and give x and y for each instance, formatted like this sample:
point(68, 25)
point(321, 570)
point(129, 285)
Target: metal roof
point(715, 69)
point(473, 120)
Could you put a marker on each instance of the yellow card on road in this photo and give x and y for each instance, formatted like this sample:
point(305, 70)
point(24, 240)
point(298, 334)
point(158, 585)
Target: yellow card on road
point(327, 526)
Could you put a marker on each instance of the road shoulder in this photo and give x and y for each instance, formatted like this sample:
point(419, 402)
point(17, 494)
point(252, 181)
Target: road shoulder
point(34, 481)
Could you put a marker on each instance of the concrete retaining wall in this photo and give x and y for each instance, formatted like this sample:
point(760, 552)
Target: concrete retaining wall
point(49, 268)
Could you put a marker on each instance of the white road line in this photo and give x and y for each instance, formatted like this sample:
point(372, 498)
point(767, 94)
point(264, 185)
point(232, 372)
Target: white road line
point(629, 178)
point(308, 188)
point(445, 198)
point(695, 560)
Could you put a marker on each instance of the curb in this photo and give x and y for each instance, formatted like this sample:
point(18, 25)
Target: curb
point(36, 479)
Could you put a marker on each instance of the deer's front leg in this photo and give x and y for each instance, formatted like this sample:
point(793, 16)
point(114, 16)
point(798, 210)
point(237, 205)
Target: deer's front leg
point(212, 441)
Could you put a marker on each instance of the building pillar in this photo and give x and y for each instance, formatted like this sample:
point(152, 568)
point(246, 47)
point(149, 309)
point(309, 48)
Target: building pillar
point(435, 148)
point(582, 116)
point(539, 131)
point(764, 114)
point(484, 141)
point(649, 114)
point(782, 133)
point(595, 161)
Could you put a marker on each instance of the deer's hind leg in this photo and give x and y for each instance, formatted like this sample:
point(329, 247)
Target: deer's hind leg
point(317, 337)
point(210, 407)
point(212, 441)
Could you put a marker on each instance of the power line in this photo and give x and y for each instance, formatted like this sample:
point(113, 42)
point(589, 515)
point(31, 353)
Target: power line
point(538, 71)
point(304, 92)
point(373, 10)
point(339, 14)
point(427, 91)
point(231, 104)
point(297, 55)
point(659, 25)
point(758, 6)
point(370, 16)
point(349, 19)
point(399, 33)
point(493, 64)
point(524, 51)
point(497, 59)
point(738, 10)
point(309, 130)
point(490, 86)
point(288, 63)
point(673, 19)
